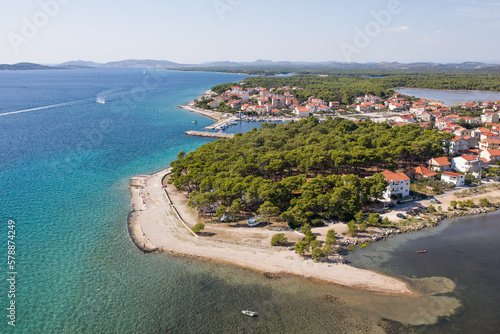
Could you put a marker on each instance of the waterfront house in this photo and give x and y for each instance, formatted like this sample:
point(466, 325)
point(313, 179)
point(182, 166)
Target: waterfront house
point(302, 111)
point(467, 163)
point(399, 184)
point(334, 104)
point(214, 104)
point(457, 179)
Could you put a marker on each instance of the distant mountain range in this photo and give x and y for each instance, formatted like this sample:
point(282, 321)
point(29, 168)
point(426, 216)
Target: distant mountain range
point(25, 67)
point(258, 64)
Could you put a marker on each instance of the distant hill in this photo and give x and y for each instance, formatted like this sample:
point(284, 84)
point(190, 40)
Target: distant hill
point(80, 63)
point(147, 63)
point(25, 67)
point(268, 67)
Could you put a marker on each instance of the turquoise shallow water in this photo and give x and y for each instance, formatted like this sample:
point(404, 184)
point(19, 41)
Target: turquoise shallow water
point(64, 173)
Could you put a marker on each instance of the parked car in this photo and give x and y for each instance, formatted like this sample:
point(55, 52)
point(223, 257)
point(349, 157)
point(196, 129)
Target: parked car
point(254, 221)
point(400, 215)
point(227, 218)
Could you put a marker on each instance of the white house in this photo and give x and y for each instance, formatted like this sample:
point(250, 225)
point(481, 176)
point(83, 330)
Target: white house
point(458, 144)
point(492, 155)
point(302, 111)
point(457, 179)
point(396, 106)
point(467, 163)
point(399, 184)
point(440, 164)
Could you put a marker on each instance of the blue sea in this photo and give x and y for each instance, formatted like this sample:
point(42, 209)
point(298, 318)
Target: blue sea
point(65, 165)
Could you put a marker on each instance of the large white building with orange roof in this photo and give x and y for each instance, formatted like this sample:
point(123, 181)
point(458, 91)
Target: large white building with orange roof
point(399, 184)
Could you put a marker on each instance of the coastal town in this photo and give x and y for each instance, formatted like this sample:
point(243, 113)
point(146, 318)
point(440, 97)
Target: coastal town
point(473, 145)
point(416, 196)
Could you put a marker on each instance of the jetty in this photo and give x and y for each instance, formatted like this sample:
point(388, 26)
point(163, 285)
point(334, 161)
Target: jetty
point(210, 134)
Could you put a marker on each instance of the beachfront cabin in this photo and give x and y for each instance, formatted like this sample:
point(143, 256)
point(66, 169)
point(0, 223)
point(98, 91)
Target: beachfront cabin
point(454, 178)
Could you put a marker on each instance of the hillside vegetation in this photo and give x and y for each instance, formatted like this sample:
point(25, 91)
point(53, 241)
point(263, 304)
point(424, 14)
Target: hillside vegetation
point(302, 170)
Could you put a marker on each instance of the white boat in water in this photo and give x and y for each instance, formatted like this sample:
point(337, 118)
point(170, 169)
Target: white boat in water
point(249, 313)
point(101, 100)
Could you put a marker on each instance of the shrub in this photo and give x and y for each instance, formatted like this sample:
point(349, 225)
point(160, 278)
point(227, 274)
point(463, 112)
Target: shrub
point(351, 228)
point(198, 227)
point(317, 222)
point(484, 202)
point(279, 239)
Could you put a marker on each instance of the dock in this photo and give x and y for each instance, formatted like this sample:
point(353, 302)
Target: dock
point(210, 134)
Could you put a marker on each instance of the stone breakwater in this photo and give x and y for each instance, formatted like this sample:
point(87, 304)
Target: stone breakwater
point(209, 134)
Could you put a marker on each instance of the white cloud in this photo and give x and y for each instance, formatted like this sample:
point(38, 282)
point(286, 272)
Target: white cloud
point(427, 40)
point(396, 29)
point(440, 32)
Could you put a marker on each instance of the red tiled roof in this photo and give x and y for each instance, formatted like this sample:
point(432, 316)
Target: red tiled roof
point(468, 157)
point(442, 161)
point(390, 176)
point(494, 152)
point(451, 174)
point(421, 170)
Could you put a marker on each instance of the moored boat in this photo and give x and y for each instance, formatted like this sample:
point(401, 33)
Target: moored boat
point(249, 313)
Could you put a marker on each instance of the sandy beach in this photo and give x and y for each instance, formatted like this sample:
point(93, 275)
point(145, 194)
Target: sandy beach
point(221, 118)
point(162, 230)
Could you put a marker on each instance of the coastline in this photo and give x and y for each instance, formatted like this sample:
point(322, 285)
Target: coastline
point(163, 231)
point(220, 118)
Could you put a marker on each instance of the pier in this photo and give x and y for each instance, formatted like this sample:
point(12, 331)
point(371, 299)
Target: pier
point(210, 134)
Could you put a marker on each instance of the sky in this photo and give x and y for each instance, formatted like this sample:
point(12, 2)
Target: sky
point(196, 31)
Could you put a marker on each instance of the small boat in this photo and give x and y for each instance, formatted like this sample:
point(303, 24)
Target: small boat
point(249, 313)
point(422, 251)
point(194, 122)
point(101, 100)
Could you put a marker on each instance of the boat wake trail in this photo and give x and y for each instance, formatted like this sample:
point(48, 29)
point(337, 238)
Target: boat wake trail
point(45, 107)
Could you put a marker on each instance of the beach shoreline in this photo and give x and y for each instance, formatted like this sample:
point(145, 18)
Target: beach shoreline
point(162, 231)
point(156, 225)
